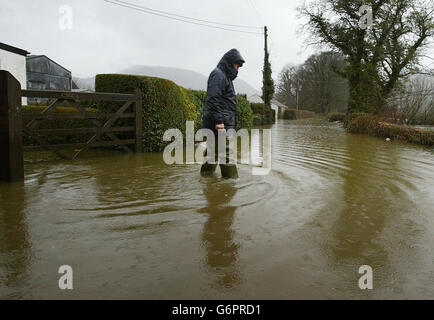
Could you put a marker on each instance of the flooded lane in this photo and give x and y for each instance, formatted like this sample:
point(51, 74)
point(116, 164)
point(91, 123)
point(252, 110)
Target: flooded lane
point(132, 227)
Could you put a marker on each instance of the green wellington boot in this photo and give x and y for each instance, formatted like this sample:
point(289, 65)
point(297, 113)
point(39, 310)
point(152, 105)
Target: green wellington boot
point(207, 169)
point(229, 171)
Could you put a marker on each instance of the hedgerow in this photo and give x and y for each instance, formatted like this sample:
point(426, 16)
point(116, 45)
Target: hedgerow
point(262, 114)
point(371, 125)
point(165, 105)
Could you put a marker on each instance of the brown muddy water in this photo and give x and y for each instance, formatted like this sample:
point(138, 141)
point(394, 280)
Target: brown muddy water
point(131, 226)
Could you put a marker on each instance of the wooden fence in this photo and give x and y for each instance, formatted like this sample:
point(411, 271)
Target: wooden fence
point(12, 127)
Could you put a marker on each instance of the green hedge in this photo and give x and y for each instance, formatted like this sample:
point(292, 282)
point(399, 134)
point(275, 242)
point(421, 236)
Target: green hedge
point(59, 124)
point(289, 114)
point(244, 111)
point(198, 98)
point(304, 114)
point(293, 114)
point(165, 104)
point(336, 116)
point(262, 114)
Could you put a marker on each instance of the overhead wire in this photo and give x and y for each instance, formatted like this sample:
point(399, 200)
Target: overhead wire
point(182, 18)
point(190, 18)
point(255, 10)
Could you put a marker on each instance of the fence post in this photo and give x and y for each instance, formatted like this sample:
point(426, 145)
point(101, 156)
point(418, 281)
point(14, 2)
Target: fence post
point(139, 122)
point(11, 131)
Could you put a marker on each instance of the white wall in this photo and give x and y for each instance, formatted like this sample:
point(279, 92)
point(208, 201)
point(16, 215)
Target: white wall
point(16, 65)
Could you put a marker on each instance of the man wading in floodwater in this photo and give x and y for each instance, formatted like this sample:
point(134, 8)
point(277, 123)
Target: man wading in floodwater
point(221, 108)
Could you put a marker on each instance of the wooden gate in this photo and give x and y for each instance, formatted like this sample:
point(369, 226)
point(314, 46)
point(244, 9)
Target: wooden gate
point(100, 128)
point(12, 127)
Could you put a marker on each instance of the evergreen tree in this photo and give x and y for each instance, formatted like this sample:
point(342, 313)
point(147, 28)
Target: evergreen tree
point(267, 80)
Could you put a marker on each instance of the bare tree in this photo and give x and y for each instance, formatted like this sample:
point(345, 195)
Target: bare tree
point(285, 92)
point(316, 84)
point(414, 103)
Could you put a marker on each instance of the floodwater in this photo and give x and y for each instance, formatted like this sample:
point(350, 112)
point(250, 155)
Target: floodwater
point(131, 226)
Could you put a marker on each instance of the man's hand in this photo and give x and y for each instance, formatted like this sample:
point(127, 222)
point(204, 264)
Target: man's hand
point(220, 127)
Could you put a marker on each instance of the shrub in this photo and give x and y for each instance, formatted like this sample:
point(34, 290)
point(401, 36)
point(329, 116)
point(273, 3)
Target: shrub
point(198, 98)
point(371, 125)
point(165, 104)
point(336, 116)
point(425, 119)
point(244, 111)
point(304, 114)
point(355, 115)
point(257, 108)
point(262, 114)
point(352, 116)
point(293, 114)
point(289, 114)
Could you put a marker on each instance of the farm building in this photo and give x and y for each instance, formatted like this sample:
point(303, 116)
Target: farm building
point(13, 59)
point(45, 74)
point(275, 105)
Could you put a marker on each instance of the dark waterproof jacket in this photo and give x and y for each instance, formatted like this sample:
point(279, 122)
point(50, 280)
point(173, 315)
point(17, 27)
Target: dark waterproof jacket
point(221, 100)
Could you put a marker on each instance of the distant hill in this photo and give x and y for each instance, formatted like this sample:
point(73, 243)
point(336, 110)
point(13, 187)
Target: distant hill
point(85, 83)
point(185, 78)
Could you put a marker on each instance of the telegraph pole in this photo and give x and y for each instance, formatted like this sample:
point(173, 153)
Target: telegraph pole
point(265, 62)
point(297, 92)
point(267, 80)
point(265, 38)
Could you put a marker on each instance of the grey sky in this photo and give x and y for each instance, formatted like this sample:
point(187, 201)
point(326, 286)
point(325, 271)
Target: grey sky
point(107, 38)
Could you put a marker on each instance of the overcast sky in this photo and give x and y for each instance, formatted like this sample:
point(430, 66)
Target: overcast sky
point(107, 38)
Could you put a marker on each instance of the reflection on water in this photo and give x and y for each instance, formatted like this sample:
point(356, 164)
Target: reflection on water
point(217, 234)
point(356, 233)
point(132, 227)
point(15, 248)
point(377, 223)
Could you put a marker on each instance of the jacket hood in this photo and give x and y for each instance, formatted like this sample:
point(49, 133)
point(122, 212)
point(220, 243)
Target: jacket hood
point(226, 63)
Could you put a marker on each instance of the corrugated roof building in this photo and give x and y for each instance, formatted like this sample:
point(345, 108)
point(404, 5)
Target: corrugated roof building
point(46, 74)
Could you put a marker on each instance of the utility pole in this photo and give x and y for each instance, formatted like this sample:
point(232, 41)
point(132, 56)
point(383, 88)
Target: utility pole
point(265, 63)
point(265, 39)
point(297, 93)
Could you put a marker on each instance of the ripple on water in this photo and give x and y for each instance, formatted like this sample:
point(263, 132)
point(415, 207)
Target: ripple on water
point(331, 200)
